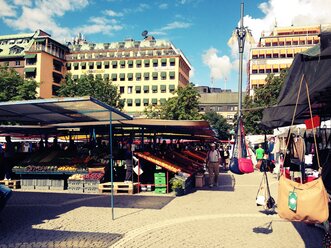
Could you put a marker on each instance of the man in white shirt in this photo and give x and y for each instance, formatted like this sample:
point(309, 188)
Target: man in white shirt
point(213, 161)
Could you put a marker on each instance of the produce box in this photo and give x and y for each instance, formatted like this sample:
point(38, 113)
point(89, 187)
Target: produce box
point(91, 189)
point(160, 180)
point(76, 189)
point(91, 183)
point(75, 183)
point(159, 175)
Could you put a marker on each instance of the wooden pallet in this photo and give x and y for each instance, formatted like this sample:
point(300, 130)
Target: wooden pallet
point(12, 184)
point(119, 188)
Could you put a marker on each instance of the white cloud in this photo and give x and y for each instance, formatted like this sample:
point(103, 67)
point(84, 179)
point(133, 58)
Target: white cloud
point(157, 33)
point(43, 16)
point(23, 2)
point(163, 6)
point(176, 25)
point(112, 13)
point(220, 66)
point(6, 9)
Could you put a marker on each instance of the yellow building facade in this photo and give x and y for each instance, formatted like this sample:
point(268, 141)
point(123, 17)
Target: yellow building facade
point(276, 50)
point(146, 72)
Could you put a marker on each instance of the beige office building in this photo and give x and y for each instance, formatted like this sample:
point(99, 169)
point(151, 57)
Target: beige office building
point(146, 72)
point(276, 50)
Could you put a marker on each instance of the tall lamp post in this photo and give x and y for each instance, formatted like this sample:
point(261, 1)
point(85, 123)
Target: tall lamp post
point(240, 34)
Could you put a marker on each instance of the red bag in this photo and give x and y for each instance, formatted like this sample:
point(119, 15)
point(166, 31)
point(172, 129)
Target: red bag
point(246, 165)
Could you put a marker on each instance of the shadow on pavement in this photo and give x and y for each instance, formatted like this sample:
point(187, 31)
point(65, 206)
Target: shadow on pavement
point(264, 229)
point(26, 209)
point(311, 235)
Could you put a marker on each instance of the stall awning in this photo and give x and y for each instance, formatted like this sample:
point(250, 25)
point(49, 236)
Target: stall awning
point(59, 112)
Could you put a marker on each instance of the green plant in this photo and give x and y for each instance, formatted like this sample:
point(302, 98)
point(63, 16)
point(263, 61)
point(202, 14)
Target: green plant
point(176, 183)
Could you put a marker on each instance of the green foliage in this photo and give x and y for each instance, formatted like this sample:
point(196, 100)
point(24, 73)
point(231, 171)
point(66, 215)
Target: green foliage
point(264, 97)
point(219, 123)
point(87, 85)
point(183, 106)
point(14, 87)
point(176, 183)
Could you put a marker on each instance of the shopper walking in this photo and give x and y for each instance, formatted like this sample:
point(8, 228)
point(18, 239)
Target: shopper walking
point(259, 153)
point(213, 161)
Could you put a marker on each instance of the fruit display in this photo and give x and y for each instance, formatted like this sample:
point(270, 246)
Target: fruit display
point(76, 177)
point(94, 176)
point(67, 168)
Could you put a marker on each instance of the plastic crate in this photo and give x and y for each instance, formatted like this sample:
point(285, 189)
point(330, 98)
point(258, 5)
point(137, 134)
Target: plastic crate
point(57, 183)
point(91, 189)
point(160, 180)
point(91, 183)
point(75, 189)
point(43, 182)
point(28, 182)
point(42, 187)
point(159, 175)
point(160, 190)
point(75, 183)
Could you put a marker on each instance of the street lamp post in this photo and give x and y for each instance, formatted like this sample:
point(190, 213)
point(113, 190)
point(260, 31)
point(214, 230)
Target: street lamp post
point(241, 35)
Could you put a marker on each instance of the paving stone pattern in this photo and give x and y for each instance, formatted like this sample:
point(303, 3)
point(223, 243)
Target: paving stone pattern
point(226, 216)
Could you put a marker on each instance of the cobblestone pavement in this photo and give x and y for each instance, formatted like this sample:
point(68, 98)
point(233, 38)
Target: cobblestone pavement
point(226, 216)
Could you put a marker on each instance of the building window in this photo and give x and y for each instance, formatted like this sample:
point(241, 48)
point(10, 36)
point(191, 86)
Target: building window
point(275, 70)
point(154, 89)
point(114, 64)
point(202, 109)
point(268, 56)
point(138, 76)
point(295, 43)
point(261, 70)
point(146, 102)
point(261, 56)
point(172, 62)
point(98, 65)
point(154, 74)
point(138, 89)
point(83, 65)
point(146, 89)
point(172, 75)
point(163, 89)
point(129, 102)
point(138, 102)
point(130, 88)
point(75, 66)
point(122, 76)
point(275, 55)
point(130, 64)
point(254, 56)
point(17, 62)
point(122, 89)
point(163, 62)
point(122, 63)
point(91, 65)
point(146, 76)
point(268, 70)
point(146, 62)
point(155, 63)
point(288, 43)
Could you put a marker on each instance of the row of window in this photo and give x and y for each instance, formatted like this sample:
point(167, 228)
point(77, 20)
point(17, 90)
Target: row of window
point(269, 70)
point(145, 102)
point(138, 76)
point(121, 64)
point(147, 89)
point(120, 54)
point(300, 42)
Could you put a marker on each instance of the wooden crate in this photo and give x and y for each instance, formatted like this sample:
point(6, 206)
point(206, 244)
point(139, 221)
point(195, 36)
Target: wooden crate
point(12, 184)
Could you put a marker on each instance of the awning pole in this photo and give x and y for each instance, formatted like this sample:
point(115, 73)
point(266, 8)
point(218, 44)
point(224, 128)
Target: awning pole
point(111, 165)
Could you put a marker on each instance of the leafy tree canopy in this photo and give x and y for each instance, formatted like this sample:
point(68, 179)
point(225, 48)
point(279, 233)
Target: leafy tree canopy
point(14, 87)
point(183, 106)
point(218, 123)
point(87, 85)
point(264, 97)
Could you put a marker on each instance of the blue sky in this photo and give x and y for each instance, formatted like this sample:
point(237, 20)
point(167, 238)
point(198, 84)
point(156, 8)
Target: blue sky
point(200, 28)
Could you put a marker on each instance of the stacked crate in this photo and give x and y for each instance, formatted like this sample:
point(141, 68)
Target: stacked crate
point(160, 183)
point(76, 186)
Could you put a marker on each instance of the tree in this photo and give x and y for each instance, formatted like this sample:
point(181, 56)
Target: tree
point(219, 123)
point(264, 97)
point(87, 85)
point(183, 106)
point(14, 87)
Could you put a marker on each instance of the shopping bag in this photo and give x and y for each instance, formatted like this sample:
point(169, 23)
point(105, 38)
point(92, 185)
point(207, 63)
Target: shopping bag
point(311, 201)
point(245, 165)
point(234, 166)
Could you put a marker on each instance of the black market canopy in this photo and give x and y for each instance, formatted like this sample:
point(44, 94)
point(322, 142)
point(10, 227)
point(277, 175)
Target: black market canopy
point(56, 112)
point(313, 68)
